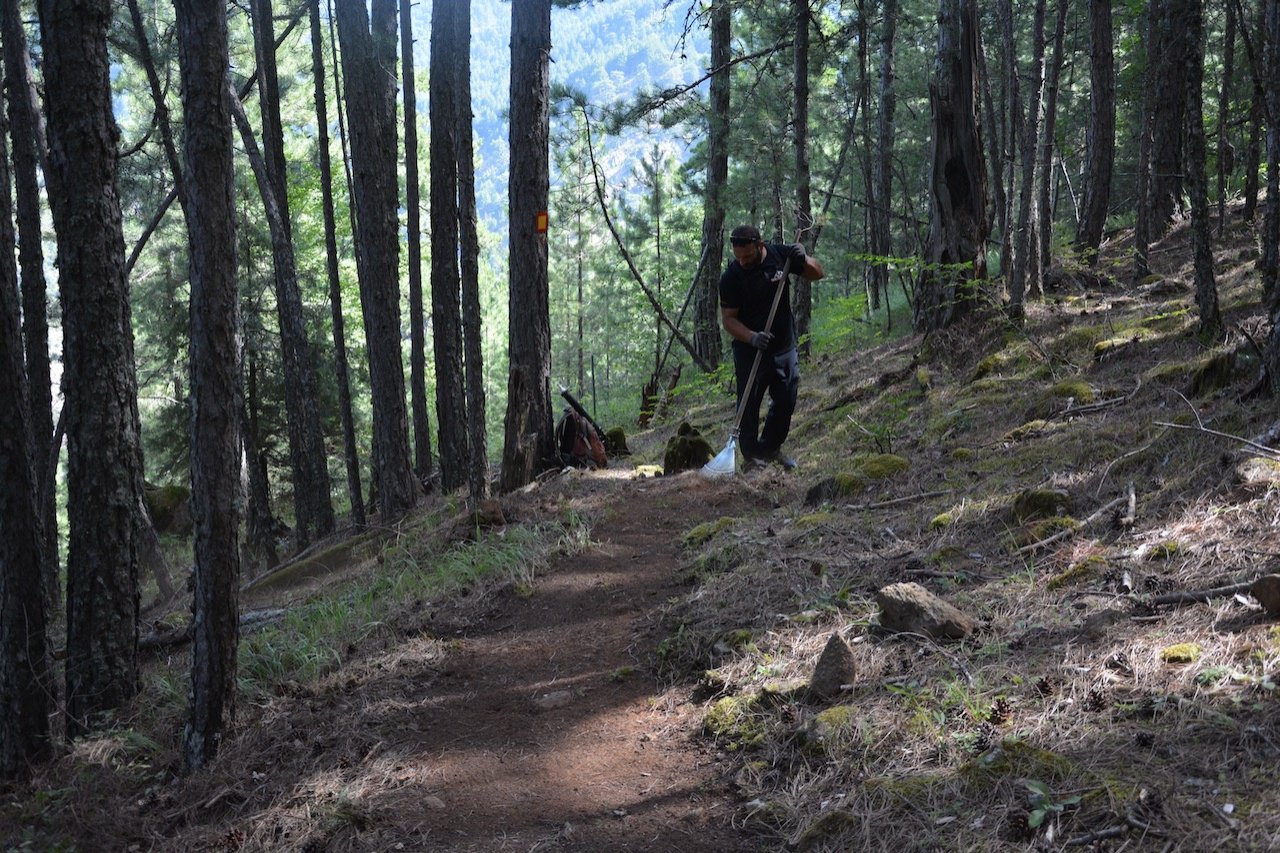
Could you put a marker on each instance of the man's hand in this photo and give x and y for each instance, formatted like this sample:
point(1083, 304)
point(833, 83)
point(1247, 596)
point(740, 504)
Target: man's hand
point(761, 340)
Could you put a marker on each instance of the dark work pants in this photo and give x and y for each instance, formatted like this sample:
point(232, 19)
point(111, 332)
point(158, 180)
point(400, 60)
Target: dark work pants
point(779, 375)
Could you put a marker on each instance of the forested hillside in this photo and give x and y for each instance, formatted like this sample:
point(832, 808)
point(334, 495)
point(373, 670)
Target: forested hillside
point(284, 272)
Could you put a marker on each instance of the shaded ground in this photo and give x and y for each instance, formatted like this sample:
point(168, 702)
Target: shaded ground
point(535, 722)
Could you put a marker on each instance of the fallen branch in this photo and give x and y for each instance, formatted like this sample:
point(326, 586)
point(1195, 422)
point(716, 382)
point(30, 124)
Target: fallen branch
point(1101, 405)
point(1262, 449)
point(902, 500)
point(1197, 595)
point(1063, 534)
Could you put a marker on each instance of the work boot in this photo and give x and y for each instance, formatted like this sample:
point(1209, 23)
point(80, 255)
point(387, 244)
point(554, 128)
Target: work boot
point(787, 463)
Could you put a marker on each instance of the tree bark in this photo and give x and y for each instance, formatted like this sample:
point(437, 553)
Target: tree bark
point(446, 278)
point(369, 61)
point(1269, 263)
point(26, 683)
point(469, 257)
point(104, 484)
point(341, 368)
point(313, 507)
point(955, 251)
point(706, 336)
point(802, 297)
point(1211, 329)
point(1226, 151)
point(1047, 142)
point(1100, 136)
point(882, 163)
point(215, 372)
point(529, 444)
point(1025, 226)
point(422, 461)
point(24, 130)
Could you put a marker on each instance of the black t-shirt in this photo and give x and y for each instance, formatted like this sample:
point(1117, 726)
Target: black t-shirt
point(751, 291)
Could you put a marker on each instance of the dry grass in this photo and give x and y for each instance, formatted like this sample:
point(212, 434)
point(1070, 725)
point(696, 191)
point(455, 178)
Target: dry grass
point(1066, 720)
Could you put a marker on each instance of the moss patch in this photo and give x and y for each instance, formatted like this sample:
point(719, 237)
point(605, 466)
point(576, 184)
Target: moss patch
point(1031, 504)
point(704, 532)
point(1181, 653)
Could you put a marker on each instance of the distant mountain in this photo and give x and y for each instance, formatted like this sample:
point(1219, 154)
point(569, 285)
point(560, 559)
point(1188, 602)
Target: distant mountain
point(609, 49)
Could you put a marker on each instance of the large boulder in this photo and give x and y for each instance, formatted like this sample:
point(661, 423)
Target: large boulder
point(686, 450)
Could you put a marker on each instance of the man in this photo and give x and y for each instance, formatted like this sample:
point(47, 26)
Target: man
point(747, 291)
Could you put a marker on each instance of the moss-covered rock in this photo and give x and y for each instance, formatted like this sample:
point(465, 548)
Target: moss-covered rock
point(941, 521)
point(615, 442)
point(1030, 429)
point(1078, 572)
point(686, 450)
point(1031, 504)
point(1042, 528)
point(169, 507)
point(1216, 373)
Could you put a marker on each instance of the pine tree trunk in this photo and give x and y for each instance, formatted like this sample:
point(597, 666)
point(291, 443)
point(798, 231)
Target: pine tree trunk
point(341, 367)
point(882, 164)
point(215, 330)
point(1047, 143)
point(955, 251)
point(1100, 136)
point(313, 507)
point(26, 683)
point(1025, 227)
point(469, 257)
point(422, 463)
point(1191, 24)
point(1226, 151)
point(446, 277)
point(369, 61)
point(706, 336)
point(1269, 263)
point(802, 297)
point(24, 131)
point(528, 443)
point(1168, 58)
point(104, 484)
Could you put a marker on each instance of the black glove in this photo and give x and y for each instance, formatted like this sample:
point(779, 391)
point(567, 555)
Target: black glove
point(761, 340)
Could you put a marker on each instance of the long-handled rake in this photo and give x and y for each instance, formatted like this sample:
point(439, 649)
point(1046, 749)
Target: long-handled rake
point(725, 463)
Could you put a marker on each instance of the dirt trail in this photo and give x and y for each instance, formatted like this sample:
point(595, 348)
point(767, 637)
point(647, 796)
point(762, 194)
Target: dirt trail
point(538, 725)
point(547, 730)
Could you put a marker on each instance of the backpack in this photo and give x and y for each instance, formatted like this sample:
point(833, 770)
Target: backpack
point(577, 443)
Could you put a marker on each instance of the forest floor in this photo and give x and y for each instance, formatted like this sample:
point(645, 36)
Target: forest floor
point(1081, 486)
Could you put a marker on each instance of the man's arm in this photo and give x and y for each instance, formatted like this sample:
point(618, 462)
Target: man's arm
point(736, 328)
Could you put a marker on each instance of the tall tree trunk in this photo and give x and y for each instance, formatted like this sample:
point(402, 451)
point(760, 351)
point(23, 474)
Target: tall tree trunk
point(528, 443)
point(995, 153)
point(104, 486)
point(706, 336)
point(1226, 151)
point(1100, 136)
point(1269, 263)
point(341, 367)
point(26, 683)
point(369, 62)
point(802, 298)
point(24, 123)
point(882, 163)
point(1047, 142)
point(472, 330)
point(313, 506)
point(955, 252)
point(422, 463)
point(1191, 24)
point(215, 371)
point(1024, 228)
point(446, 278)
point(1168, 59)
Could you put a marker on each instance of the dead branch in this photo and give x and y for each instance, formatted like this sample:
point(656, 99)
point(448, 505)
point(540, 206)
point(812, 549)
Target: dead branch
point(631, 265)
point(1262, 449)
point(1063, 534)
point(1197, 595)
point(907, 499)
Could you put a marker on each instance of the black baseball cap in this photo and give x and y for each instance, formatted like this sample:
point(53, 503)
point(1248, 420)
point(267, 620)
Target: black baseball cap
point(744, 235)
